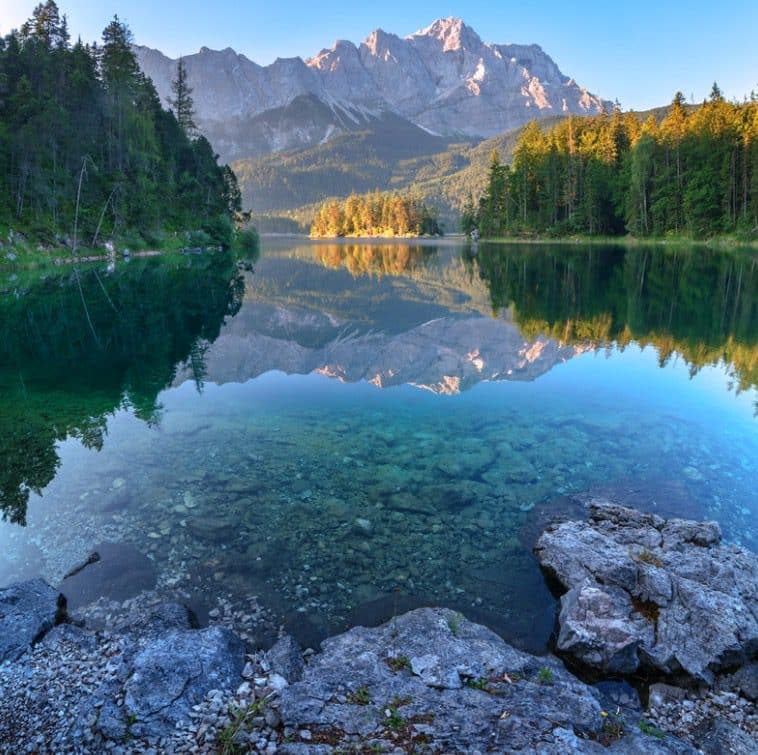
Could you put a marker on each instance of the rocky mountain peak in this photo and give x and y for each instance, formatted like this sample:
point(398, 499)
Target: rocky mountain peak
point(379, 40)
point(451, 32)
point(443, 79)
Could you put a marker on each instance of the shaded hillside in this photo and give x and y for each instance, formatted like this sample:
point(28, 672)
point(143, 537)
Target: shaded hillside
point(443, 172)
point(397, 156)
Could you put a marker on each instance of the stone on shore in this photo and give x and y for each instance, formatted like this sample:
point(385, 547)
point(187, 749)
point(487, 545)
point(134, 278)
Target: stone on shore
point(174, 672)
point(431, 680)
point(644, 592)
point(286, 659)
point(27, 611)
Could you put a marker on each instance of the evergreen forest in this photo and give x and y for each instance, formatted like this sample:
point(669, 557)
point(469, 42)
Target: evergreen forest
point(695, 173)
point(87, 152)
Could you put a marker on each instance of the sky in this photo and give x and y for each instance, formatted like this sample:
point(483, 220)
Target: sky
point(637, 52)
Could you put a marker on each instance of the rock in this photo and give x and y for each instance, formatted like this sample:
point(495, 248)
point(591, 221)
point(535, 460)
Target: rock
point(120, 572)
point(69, 634)
point(746, 681)
point(410, 504)
point(286, 659)
point(663, 694)
point(721, 737)
point(212, 529)
point(277, 682)
point(642, 591)
point(363, 527)
point(111, 723)
point(27, 611)
point(446, 685)
point(163, 618)
point(434, 673)
point(618, 694)
point(175, 671)
point(589, 612)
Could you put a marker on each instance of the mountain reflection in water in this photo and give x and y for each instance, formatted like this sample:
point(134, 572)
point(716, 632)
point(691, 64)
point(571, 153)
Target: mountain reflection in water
point(161, 383)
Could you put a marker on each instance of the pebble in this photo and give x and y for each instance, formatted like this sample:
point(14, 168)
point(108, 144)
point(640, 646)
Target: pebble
point(683, 717)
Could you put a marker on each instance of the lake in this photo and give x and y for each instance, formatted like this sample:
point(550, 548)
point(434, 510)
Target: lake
point(335, 432)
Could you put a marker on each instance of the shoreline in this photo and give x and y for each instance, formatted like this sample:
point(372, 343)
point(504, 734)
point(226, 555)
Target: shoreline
point(12, 260)
point(429, 678)
point(721, 242)
point(37, 261)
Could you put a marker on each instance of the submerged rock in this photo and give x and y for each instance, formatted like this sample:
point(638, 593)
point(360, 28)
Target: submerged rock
point(665, 595)
point(212, 529)
point(119, 572)
point(27, 611)
point(432, 680)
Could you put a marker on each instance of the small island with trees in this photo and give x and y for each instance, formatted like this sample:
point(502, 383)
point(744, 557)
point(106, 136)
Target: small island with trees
point(382, 215)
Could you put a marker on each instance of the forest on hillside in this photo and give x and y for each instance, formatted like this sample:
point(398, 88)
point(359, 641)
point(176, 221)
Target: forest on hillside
point(377, 214)
point(87, 151)
point(694, 173)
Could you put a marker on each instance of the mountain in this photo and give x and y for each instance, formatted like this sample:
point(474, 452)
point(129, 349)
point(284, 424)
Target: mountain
point(444, 79)
point(388, 99)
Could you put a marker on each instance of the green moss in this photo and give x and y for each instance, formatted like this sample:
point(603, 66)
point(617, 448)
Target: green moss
point(653, 731)
point(545, 676)
point(399, 663)
point(361, 696)
point(454, 623)
point(481, 684)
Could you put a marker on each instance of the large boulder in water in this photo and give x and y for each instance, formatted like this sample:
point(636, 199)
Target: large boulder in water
point(642, 591)
point(27, 611)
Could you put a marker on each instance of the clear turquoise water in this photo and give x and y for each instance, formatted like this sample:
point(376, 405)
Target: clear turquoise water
point(269, 461)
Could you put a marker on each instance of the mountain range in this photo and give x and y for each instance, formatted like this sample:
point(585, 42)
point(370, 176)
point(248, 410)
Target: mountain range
point(408, 97)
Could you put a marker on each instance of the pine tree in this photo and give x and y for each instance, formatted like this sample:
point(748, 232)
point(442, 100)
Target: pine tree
point(47, 26)
point(182, 104)
point(85, 143)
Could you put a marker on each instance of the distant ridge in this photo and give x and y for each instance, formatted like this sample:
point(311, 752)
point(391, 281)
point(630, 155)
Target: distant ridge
point(443, 79)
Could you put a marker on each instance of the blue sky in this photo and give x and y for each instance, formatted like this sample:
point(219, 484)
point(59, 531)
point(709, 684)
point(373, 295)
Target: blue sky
point(638, 52)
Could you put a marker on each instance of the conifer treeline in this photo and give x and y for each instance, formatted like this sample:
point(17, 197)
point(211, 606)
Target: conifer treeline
point(82, 126)
point(377, 214)
point(694, 173)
